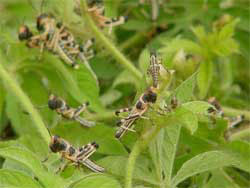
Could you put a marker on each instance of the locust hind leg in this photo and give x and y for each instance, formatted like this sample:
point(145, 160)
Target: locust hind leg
point(117, 112)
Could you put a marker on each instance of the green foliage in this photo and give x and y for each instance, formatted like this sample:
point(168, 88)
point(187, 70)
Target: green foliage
point(205, 43)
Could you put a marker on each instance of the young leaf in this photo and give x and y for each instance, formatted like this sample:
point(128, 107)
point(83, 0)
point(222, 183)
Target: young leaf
point(94, 181)
point(11, 178)
point(180, 44)
point(204, 78)
point(203, 162)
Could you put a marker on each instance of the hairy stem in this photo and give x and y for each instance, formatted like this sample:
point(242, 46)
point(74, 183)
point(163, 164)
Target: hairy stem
point(12, 86)
point(108, 44)
point(234, 112)
point(140, 145)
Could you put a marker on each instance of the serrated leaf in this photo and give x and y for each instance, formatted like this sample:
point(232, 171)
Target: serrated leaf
point(203, 162)
point(204, 78)
point(11, 178)
point(94, 181)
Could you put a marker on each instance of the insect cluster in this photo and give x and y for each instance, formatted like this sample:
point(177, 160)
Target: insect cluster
point(57, 39)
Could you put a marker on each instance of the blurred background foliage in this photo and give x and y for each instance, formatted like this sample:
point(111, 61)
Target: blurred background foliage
point(211, 36)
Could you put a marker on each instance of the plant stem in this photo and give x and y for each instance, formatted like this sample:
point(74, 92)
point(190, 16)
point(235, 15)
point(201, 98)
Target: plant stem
point(108, 44)
point(234, 112)
point(141, 144)
point(131, 163)
point(148, 134)
point(12, 86)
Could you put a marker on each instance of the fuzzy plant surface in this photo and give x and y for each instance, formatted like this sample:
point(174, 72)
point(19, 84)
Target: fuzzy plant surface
point(204, 45)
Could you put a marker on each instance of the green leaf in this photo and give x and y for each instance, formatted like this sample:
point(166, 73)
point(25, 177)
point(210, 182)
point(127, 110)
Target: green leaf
point(221, 179)
point(144, 60)
point(184, 91)
point(200, 33)
point(180, 44)
point(94, 181)
point(204, 78)
point(102, 134)
point(116, 165)
point(241, 151)
point(79, 83)
point(203, 162)
point(155, 151)
point(228, 30)
point(88, 86)
point(171, 138)
point(139, 25)
point(198, 107)
point(29, 160)
point(11, 178)
point(110, 97)
point(186, 118)
point(125, 77)
point(21, 122)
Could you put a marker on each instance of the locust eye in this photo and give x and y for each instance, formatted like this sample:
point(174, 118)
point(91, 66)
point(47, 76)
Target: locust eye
point(40, 21)
point(95, 145)
point(54, 104)
point(24, 33)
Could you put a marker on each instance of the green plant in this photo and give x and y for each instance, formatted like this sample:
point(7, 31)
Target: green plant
point(184, 148)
